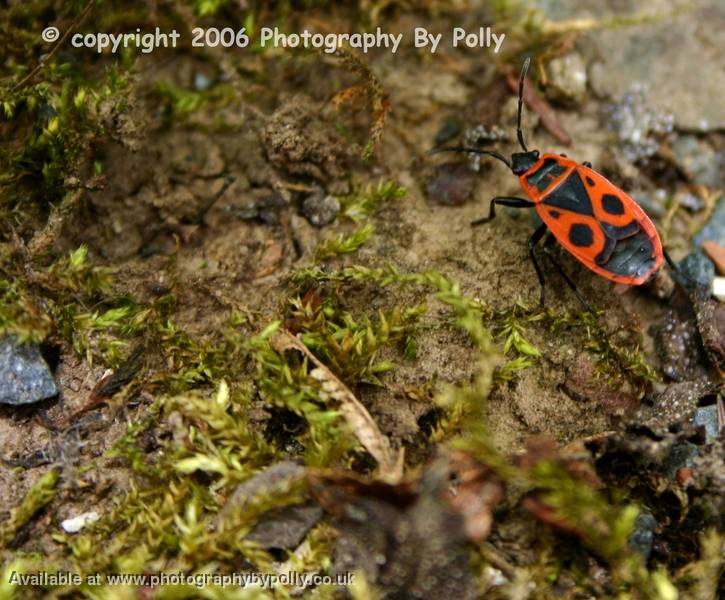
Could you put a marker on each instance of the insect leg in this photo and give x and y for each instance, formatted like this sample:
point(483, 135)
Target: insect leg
point(533, 240)
point(503, 201)
point(570, 283)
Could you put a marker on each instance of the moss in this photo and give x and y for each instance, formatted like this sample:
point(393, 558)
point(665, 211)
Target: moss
point(59, 289)
point(377, 98)
point(179, 102)
point(616, 359)
point(510, 326)
point(364, 201)
point(20, 315)
point(56, 123)
point(700, 578)
point(344, 244)
point(169, 515)
point(37, 497)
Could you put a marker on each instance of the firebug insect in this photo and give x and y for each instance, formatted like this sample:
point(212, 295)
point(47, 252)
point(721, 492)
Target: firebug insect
point(594, 220)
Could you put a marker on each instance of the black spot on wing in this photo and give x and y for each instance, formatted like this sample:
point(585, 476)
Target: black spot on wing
point(590, 181)
point(631, 257)
point(545, 174)
point(581, 235)
point(571, 195)
point(554, 214)
point(612, 204)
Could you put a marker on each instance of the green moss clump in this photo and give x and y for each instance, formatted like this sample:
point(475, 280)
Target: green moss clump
point(344, 244)
point(510, 325)
point(363, 202)
point(37, 497)
point(616, 360)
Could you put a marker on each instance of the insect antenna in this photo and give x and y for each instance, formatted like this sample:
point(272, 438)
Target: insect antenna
point(519, 133)
point(496, 155)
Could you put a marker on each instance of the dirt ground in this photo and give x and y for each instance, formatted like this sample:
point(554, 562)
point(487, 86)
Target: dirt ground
point(203, 193)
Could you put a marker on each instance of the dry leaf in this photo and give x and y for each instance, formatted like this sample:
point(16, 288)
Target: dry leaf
point(477, 492)
point(362, 424)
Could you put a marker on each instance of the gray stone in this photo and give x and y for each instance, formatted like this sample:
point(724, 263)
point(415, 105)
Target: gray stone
point(567, 77)
point(24, 375)
point(481, 136)
point(689, 200)
point(652, 203)
point(706, 416)
point(641, 128)
point(202, 82)
point(643, 536)
point(320, 209)
point(699, 160)
point(275, 476)
point(699, 267)
point(679, 59)
point(286, 527)
point(715, 228)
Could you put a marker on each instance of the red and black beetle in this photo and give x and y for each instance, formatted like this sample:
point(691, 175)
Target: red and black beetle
point(593, 219)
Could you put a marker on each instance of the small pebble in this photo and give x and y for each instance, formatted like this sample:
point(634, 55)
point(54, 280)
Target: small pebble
point(698, 159)
point(567, 76)
point(202, 82)
point(24, 375)
point(643, 536)
point(479, 137)
point(639, 127)
point(451, 184)
point(690, 202)
point(320, 209)
point(699, 267)
point(714, 229)
point(495, 576)
point(718, 288)
point(75, 524)
point(706, 416)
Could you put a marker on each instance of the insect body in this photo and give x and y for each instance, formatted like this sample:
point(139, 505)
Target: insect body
point(594, 220)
